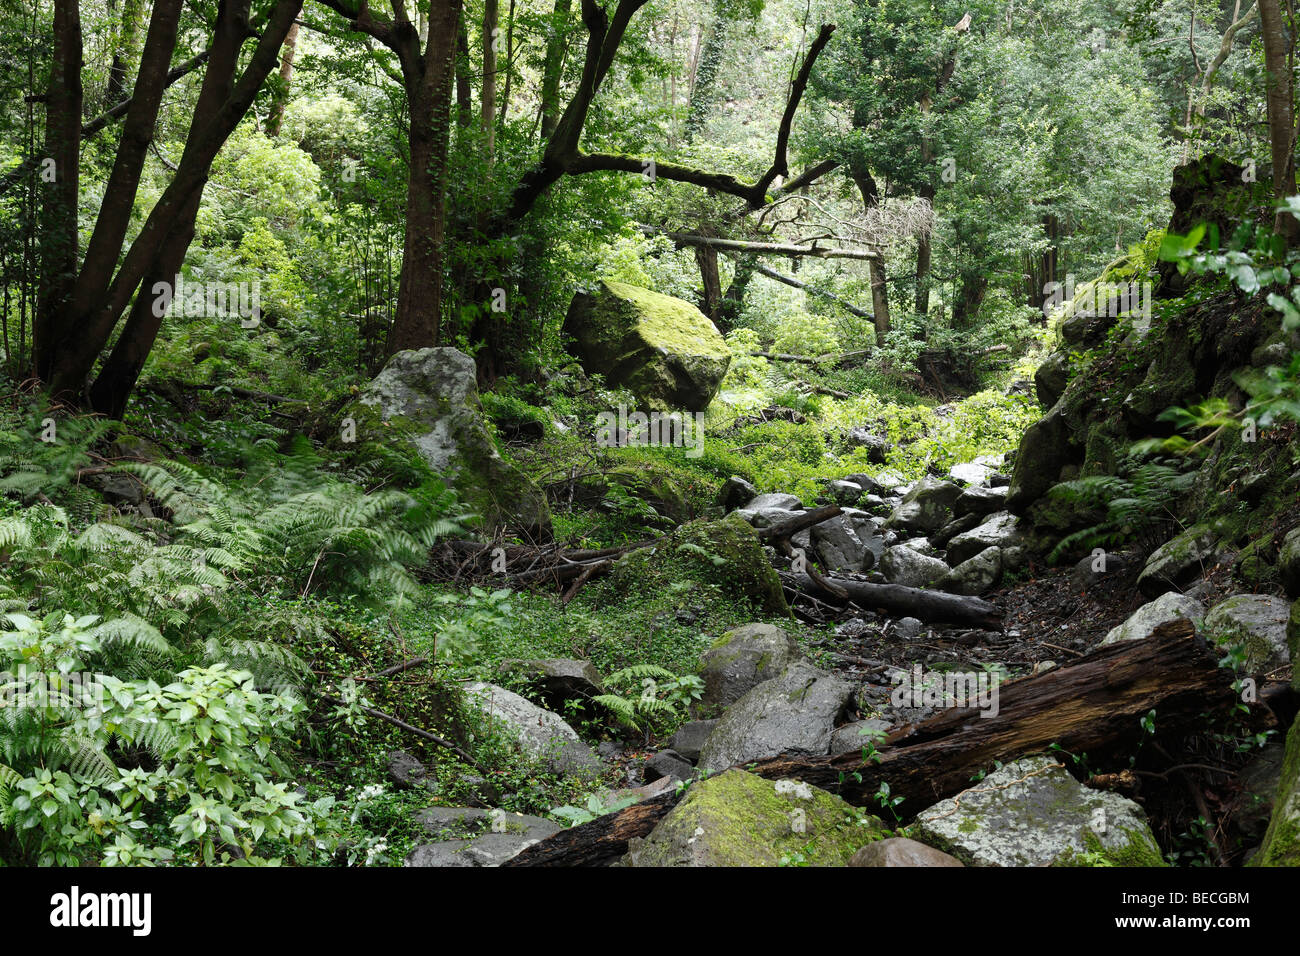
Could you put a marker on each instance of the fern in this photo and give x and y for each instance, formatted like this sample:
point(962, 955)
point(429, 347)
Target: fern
point(1138, 507)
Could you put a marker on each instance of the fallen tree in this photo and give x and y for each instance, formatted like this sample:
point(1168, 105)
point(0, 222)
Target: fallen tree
point(1094, 705)
point(934, 606)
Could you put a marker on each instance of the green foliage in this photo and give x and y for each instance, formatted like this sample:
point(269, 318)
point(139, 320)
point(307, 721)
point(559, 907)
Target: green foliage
point(663, 696)
point(1140, 506)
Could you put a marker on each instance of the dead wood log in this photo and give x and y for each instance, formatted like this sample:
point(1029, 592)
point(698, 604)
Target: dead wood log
point(936, 606)
point(1093, 706)
point(783, 529)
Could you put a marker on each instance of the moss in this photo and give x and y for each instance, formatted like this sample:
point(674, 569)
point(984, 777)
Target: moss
point(740, 819)
point(1140, 850)
point(1281, 846)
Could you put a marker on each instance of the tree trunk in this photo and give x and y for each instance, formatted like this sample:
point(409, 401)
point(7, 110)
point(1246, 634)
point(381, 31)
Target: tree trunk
point(429, 91)
point(706, 257)
point(1281, 109)
point(487, 114)
point(733, 301)
point(58, 223)
point(934, 606)
point(866, 184)
point(553, 67)
point(275, 119)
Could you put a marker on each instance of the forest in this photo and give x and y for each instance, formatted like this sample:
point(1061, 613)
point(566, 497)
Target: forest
point(640, 433)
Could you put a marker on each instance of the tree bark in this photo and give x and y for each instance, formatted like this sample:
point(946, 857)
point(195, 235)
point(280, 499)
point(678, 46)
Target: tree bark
point(867, 187)
point(1281, 110)
point(275, 118)
point(935, 606)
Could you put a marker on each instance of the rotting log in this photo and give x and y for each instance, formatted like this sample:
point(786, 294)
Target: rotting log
point(1095, 705)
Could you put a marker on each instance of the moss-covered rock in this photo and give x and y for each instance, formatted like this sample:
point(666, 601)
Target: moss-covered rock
point(1255, 622)
point(663, 349)
point(1033, 813)
point(1178, 560)
point(1281, 846)
point(724, 555)
point(739, 819)
point(428, 399)
point(739, 660)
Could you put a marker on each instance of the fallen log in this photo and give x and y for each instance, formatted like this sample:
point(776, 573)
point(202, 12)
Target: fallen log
point(935, 606)
point(783, 529)
point(1094, 706)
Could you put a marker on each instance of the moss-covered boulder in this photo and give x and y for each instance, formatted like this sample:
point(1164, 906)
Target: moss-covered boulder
point(1255, 622)
point(429, 399)
point(723, 555)
point(739, 660)
point(664, 350)
point(1281, 846)
point(1288, 563)
point(1179, 560)
point(1033, 813)
point(1293, 641)
point(739, 819)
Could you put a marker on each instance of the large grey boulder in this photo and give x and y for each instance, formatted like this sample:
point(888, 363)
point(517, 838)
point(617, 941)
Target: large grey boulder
point(1031, 812)
point(429, 398)
point(542, 735)
point(980, 501)
point(927, 507)
point(1178, 561)
point(663, 349)
point(735, 491)
point(740, 660)
point(1142, 622)
point(847, 542)
point(740, 819)
point(999, 530)
point(977, 575)
point(794, 713)
point(1258, 622)
point(902, 565)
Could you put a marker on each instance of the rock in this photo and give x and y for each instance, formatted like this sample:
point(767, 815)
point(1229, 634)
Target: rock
point(735, 491)
point(1051, 378)
point(900, 851)
point(795, 712)
point(509, 835)
point(725, 555)
point(975, 472)
point(979, 501)
point(875, 505)
point(857, 735)
point(1293, 641)
point(847, 542)
point(902, 565)
point(1288, 563)
point(927, 507)
point(1257, 621)
point(739, 661)
point(429, 397)
point(939, 539)
point(1090, 570)
point(667, 763)
point(452, 823)
point(558, 679)
point(690, 738)
point(976, 575)
point(408, 773)
point(739, 819)
point(778, 500)
point(1031, 812)
point(1000, 530)
point(844, 492)
point(877, 448)
point(664, 350)
point(542, 735)
point(1281, 846)
point(1045, 449)
point(1167, 607)
point(1178, 561)
point(908, 628)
